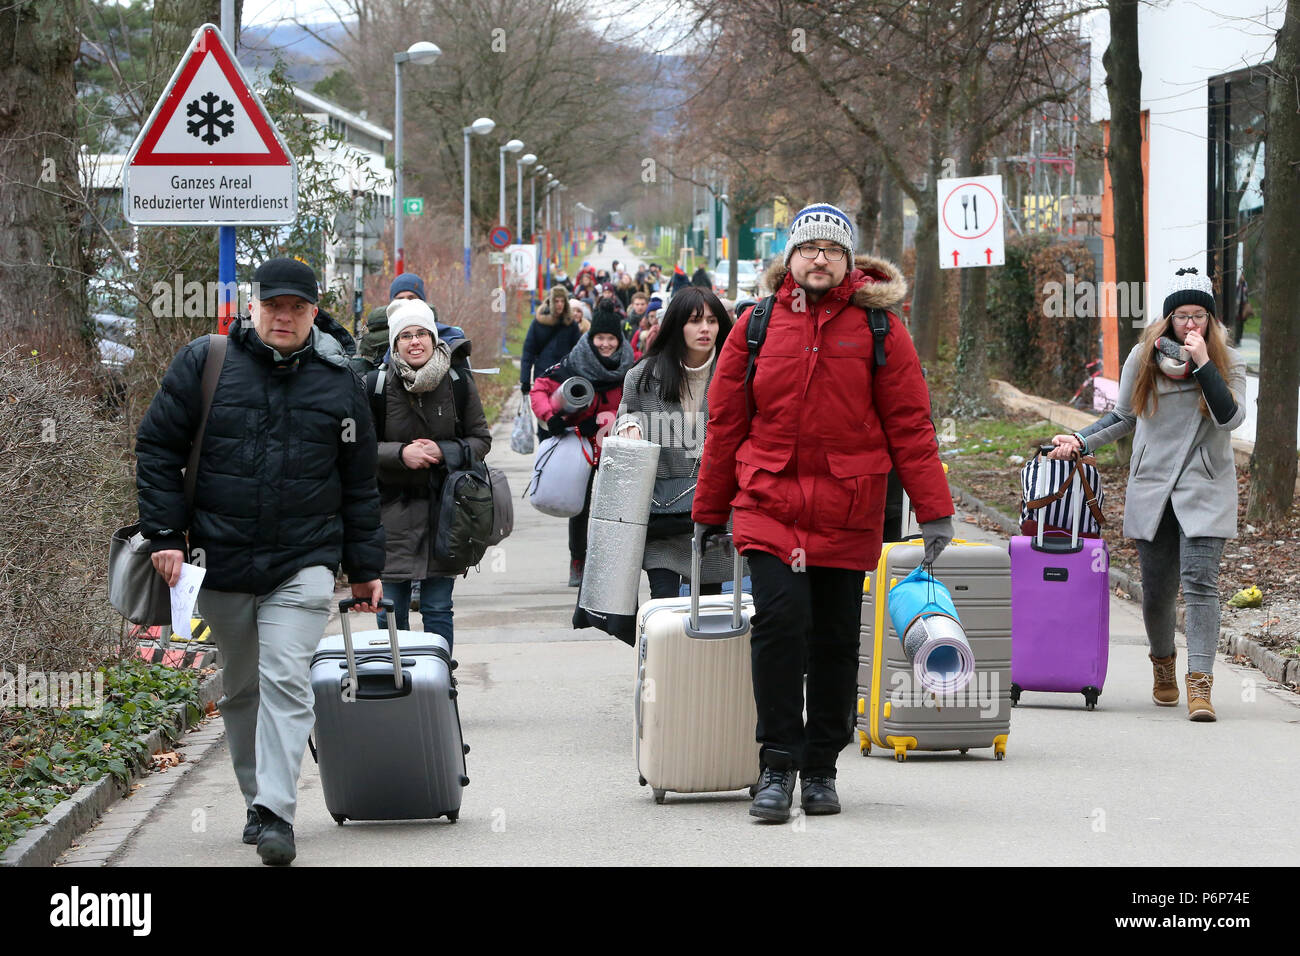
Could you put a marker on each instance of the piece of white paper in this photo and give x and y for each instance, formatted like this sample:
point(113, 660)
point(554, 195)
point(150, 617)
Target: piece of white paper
point(184, 596)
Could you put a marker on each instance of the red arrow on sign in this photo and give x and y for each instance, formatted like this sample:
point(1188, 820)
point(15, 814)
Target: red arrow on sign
point(954, 258)
point(988, 256)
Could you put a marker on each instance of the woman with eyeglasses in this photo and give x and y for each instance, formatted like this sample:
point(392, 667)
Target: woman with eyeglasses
point(428, 418)
point(1180, 394)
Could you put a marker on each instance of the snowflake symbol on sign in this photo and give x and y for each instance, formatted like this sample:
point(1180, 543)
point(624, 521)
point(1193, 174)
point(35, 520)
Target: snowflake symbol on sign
point(209, 116)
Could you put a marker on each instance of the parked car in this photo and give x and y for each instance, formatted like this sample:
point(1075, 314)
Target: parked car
point(747, 277)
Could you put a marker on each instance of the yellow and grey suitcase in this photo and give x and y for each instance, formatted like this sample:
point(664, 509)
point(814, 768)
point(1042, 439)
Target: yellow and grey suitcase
point(894, 712)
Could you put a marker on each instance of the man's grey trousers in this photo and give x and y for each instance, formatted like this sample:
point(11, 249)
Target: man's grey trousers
point(266, 643)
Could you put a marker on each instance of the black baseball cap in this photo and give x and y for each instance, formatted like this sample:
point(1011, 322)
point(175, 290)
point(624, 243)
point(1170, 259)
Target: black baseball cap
point(285, 277)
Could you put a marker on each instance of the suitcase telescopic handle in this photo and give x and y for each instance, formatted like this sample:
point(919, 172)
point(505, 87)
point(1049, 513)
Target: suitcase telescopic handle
point(387, 605)
point(712, 625)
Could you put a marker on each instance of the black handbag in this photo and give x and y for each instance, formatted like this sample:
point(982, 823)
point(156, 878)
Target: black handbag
point(670, 507)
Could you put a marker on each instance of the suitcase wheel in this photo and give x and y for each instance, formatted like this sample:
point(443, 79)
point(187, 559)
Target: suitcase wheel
point(1090, 695)
point(464, 780)
point(900, 755)
point(453, 816)
point(753, 790)
point(641, 780)
point(453, 693)
point(963, 751)
point(1015, 694)
point(338, 818)
point(464, 748)
point(659, 795)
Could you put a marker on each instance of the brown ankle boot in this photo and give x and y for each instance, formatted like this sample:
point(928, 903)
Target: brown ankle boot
point(1165, 691)
point(1198, 696)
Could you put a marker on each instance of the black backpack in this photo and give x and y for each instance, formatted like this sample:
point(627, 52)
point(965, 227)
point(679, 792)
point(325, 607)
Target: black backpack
point(756, 332)
point(466, 512)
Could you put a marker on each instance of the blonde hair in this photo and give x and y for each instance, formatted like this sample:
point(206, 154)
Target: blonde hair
point(1144, 390)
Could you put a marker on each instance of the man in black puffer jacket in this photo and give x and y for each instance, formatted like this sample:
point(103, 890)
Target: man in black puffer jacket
point(285, 493)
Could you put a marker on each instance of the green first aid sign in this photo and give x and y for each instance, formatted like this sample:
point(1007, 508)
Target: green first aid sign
point(413, 205)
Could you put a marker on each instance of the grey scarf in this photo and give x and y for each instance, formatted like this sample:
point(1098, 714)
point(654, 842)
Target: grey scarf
point(583, 360)
point(429, 375)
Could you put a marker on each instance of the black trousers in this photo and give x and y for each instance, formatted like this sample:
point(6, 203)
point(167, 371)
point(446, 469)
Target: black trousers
point(578, 524)
point(812, 615)
point(665, 583)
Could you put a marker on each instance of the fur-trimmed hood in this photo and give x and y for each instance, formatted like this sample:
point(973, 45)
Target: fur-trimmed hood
point(876, 283)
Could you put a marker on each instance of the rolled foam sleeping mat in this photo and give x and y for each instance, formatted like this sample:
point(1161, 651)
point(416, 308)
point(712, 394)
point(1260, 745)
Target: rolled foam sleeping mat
point(625, 481)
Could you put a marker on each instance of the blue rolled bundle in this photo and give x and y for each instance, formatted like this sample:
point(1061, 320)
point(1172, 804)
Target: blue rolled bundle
point(926, 621)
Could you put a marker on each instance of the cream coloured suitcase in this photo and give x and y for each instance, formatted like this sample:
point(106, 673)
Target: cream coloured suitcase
point(695, 719)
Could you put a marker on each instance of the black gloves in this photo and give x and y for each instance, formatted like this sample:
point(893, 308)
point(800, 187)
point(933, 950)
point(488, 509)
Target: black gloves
point(525, 387)
point(587, 428)
point(555, 425)
point(704, 534)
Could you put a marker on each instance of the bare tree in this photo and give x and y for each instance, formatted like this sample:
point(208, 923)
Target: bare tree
point(1273, 466)
point(42, 281)
point(1124, 157)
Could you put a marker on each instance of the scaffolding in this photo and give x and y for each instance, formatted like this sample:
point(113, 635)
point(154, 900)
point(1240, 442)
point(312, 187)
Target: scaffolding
point(1041, 181)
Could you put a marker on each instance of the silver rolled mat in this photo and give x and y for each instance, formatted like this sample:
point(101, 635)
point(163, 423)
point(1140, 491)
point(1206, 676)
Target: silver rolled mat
point(625, 481)
point(576, 393)
point(611, 576)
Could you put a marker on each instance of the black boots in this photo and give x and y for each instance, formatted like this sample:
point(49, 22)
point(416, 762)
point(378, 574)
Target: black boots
point(252, 828)
point(817, 795)
point(775, 788)
point(275, 841)
point(575, 573)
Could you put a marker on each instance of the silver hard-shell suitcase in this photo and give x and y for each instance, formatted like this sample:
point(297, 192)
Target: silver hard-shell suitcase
point(695, 717)
point(387, 736)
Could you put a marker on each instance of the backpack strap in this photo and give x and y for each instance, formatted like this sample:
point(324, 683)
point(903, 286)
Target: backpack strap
point(879, 320)
point(755, 333)
point(375, 392)
point(459, 396)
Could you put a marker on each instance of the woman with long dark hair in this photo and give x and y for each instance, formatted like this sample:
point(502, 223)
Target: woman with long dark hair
point(1180, 395)
point(665, 400)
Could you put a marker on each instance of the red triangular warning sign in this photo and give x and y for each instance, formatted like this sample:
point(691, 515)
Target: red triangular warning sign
point(208, 116)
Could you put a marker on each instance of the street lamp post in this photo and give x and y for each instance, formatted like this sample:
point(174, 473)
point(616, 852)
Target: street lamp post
point(482, 126)
point(532, 198)
point(525, 160)
point(420, 52)
point(513, 146)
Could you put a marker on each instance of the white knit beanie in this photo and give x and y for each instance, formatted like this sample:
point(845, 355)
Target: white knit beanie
point(820, 221)
point(1189, 287)
point(405, 313)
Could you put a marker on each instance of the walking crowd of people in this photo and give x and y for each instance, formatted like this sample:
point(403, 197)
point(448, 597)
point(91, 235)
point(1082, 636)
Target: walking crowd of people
point(318, 452)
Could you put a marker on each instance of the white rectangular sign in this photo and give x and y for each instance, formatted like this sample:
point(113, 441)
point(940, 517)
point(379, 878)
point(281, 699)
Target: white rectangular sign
point(521, 267)
point(971, 221)
point(209, 153)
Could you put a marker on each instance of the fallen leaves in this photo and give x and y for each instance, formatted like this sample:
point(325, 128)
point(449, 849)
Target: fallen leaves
point(165, 760)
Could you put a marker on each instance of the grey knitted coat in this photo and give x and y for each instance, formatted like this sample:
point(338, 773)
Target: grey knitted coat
point(681, 443)
point(1178, 454)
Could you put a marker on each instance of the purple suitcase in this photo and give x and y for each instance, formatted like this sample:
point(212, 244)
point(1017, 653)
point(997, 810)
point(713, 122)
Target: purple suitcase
point(1060, 610)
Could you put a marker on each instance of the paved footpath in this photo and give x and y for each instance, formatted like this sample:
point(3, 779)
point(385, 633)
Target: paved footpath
point(548, 713)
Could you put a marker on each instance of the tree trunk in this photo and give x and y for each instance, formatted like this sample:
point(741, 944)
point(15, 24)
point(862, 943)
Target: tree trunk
point(42, 270)
point(1273, 467)
point(973, 335)
point(174, 23)
point(927, 290)
point(1124, 90)
point(868, 181)
point(890, 237)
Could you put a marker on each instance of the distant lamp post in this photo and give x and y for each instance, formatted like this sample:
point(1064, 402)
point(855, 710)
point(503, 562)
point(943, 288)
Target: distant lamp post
point(420, 52)
point(513, 146)
point(525, 160)
point(532, 198)
point(482, 126)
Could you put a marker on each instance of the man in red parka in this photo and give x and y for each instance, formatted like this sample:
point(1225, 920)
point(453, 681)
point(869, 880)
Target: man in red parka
point(805, 481)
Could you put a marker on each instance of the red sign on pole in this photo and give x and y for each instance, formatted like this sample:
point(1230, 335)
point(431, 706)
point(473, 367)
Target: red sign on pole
point(499, 236)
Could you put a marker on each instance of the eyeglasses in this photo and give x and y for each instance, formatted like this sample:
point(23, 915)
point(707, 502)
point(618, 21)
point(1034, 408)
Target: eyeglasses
point(424, 334)
point(832, 253)
point(1185, 317)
